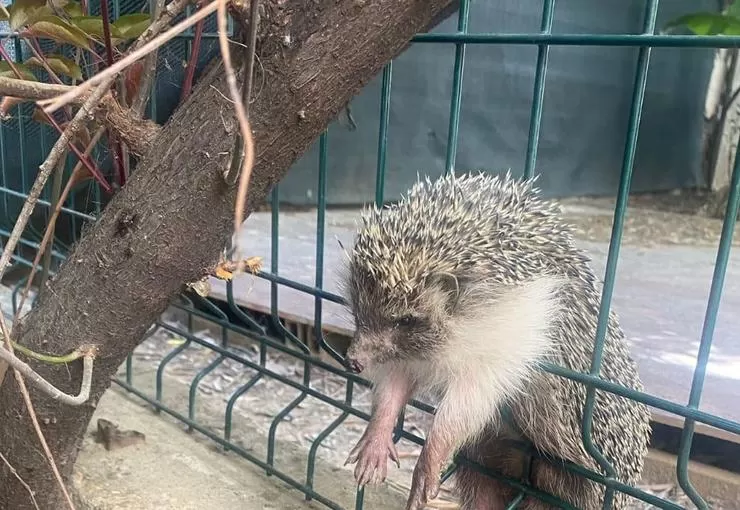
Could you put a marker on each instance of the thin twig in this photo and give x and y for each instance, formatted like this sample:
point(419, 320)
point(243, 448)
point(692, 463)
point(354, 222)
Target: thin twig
point(113, 143)
point(56, 190)
point(36, 50)
point(21, 481)
point(106, 32)
point(241, 114)
point(51, 105)
point(187, 85)
point(46, 386)
point(42, 439)
point(150, 67)
point(54, 215)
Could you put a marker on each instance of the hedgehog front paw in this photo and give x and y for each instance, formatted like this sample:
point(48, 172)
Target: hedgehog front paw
point(425, 484)
point(371, 454)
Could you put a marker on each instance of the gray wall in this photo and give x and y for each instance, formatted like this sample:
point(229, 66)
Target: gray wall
point(586, 109)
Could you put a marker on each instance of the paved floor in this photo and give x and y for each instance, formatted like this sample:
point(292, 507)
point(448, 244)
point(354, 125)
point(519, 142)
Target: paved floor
point(660, 296)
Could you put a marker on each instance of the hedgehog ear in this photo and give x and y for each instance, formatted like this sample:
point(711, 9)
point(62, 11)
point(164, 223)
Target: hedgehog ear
point(451, 286)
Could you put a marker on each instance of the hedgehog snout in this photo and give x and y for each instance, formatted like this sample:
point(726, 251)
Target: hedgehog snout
point(367, 349)
point(354, 365)
point(356, 359)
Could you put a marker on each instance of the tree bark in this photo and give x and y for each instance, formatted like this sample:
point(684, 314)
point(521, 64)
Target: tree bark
point(170, 222)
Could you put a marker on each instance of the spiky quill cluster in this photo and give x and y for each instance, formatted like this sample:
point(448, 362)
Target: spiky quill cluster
point(454, 224)
point(488, 230)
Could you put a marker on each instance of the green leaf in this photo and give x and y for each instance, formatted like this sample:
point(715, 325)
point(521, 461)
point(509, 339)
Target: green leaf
point(707, 23)
point(7, 72)
point(54, 27)
point(733, 9)
point(26, 12)
point(131, 26)
point(73, 9)
point(93, 26)
point(59, 64)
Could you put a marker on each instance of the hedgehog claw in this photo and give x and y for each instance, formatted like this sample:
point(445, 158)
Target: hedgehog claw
point(371, 455)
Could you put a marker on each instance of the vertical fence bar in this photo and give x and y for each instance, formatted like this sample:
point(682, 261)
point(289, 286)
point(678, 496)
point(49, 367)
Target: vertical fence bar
point(457, 77)
point(320, 241)
point(538, 96)
point(287, 335)
point(638, 97)
point(274, 252)
point(385, 106)
point(707, 335)
point(320, 234)
point(4, 165)
point(360, 498)
point(318, 309)
point(218, 313)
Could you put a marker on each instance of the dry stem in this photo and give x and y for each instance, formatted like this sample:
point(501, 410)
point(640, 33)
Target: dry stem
point(150, 67)
point(49, 388)
point(20, 480)
point(241, 114)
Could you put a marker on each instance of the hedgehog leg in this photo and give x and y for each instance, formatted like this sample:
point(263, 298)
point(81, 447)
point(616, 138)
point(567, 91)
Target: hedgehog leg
point(479, 492)
point(376, 445)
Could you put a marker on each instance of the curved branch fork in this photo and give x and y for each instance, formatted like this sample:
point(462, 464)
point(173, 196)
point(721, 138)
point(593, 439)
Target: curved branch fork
point(86, 352)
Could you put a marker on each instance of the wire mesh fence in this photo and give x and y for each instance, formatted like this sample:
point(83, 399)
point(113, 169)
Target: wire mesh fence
point(269, 331)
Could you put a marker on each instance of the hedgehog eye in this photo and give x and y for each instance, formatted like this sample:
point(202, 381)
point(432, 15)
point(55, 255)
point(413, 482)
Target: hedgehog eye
point(406, 321)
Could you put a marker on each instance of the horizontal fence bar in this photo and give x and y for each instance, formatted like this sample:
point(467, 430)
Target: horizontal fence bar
point(646, 398)
point(587, 379)
point(599, 383)
point(350, 410)
point(31, 244)
point(634, 40)
point(46, 203)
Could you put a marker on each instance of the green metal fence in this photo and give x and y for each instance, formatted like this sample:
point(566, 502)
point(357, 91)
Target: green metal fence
point(273, 334)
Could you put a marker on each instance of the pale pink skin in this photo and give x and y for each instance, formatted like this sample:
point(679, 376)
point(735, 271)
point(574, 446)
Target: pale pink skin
point(376, 445)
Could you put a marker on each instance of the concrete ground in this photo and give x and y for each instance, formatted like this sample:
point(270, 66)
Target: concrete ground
point(171, 469)
point(175, 470)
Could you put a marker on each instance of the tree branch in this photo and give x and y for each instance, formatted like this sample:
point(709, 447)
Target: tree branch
point(168, 225)
point(137, 133)
point(15, 473)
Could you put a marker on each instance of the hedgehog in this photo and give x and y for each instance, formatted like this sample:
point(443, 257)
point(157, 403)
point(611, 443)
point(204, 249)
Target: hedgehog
point(460, 292)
